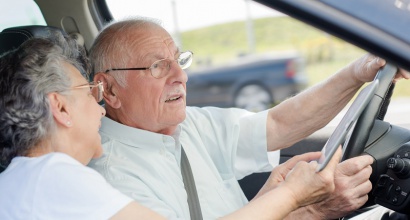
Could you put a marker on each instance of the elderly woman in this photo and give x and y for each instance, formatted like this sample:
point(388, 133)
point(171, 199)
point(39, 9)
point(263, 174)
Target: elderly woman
point(49, 121)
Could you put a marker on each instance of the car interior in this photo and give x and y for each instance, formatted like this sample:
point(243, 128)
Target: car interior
point(11, 38)
point(387, 143)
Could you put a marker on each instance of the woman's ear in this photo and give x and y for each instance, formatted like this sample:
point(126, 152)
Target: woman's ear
point(109, 83)
point(58, 105)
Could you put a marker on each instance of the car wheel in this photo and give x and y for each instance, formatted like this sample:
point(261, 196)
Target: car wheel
point(253, 97)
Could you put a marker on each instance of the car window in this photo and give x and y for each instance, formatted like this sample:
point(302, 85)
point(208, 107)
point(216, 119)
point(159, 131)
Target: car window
point(250, 50)
point(247, 56)
point(19, 13)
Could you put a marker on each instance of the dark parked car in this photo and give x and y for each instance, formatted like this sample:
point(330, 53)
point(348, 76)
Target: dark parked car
point(252, 82)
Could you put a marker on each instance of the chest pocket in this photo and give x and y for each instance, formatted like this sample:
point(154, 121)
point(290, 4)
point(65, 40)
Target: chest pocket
point(224, 197)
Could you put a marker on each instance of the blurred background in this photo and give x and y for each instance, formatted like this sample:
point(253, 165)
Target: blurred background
point(249, 56)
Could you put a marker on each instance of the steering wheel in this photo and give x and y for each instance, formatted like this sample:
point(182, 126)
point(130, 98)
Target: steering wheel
point(355, 144)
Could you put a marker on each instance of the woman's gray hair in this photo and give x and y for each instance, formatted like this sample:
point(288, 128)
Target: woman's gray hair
point(27, 75)
point(113, 46)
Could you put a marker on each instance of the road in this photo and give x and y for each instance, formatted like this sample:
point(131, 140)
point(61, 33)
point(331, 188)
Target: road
point(398, 113)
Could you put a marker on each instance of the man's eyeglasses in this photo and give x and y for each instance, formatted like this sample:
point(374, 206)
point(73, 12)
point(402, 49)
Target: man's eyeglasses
point(97, 89)
point(161, 67)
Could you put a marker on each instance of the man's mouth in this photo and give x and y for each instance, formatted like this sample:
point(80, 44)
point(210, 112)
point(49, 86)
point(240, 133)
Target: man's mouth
point(173, 99)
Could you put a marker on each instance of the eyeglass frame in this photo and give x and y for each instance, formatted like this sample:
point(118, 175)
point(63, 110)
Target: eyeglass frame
point(91, 85)
point(149, 68)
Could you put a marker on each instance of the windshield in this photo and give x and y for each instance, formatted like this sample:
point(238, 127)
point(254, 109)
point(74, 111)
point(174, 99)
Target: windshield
point(254, 44)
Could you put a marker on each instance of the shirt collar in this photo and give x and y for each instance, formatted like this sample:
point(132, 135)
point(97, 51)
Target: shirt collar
point(140, 138)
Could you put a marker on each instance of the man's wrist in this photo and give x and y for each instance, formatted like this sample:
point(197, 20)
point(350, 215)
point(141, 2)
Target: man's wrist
point(307, 212)
point(315, 211)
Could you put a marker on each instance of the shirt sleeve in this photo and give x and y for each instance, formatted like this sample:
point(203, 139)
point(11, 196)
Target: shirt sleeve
point(77, 190)
point(252, 154)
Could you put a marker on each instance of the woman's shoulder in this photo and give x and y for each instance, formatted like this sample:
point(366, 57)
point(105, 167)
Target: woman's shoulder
point(55, 167)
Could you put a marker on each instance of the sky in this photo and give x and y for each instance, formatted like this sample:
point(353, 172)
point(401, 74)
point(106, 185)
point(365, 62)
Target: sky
point(190, 14)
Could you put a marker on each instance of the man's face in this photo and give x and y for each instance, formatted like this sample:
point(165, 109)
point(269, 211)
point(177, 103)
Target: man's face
point(148, 103)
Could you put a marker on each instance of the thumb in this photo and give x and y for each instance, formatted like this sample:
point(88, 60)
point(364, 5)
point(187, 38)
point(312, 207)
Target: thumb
point(379, 62)
point(374, 64)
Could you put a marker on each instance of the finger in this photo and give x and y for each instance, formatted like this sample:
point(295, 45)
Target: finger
point(380, 62)
point(361, 201)
point(358, 202)
point(397, 78)
point(363, 189)
point(359, 178)
point(403, 73)
point(307, 157)
point(374, 64)
point(354, 165)
point(366, 68)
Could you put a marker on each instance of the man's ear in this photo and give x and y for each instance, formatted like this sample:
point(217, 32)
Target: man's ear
point(109, 83)
point(59, 109)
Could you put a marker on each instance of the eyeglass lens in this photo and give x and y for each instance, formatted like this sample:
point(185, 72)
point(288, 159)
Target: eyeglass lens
point(185, 60)
point(161, 67)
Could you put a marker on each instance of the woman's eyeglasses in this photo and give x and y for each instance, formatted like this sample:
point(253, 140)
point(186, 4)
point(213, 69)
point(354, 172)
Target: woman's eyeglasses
point(96, 88)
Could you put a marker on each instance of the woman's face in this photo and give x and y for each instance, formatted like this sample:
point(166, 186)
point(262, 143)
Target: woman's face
point(86, 116)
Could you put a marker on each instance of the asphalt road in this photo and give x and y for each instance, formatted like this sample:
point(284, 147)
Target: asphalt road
point(398, 113)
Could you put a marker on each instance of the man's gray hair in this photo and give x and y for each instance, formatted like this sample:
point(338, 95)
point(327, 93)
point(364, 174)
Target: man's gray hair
point(27, 75)
point(113, 46)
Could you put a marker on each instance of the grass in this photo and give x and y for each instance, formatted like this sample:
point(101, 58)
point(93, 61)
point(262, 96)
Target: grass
point(324, 54)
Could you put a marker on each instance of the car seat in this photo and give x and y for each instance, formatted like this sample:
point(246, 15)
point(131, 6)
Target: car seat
point(11, 38)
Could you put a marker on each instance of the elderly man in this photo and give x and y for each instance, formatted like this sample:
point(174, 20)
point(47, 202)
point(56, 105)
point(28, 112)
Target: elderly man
point(147, 124)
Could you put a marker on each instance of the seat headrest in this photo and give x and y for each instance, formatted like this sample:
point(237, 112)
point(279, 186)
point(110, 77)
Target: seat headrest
point(11, 38)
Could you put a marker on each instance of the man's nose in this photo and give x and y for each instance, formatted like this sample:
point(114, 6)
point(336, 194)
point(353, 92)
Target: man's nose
point(176, 71)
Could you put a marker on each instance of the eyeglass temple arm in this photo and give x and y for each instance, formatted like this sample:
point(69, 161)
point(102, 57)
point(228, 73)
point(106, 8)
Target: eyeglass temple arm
point(114, 69)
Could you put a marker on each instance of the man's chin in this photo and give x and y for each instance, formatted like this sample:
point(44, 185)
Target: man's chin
point(180, 117)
